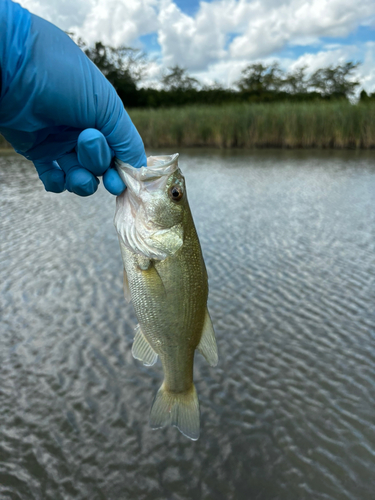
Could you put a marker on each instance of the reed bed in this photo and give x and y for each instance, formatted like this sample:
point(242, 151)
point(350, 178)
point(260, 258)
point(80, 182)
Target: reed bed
point(285, 125)
point(4, 144)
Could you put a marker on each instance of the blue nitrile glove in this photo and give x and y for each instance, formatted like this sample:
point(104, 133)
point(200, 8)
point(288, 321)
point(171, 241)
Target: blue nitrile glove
point(58, 110)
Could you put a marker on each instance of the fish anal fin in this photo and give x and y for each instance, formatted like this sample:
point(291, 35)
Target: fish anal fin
point(127, 294)
point(142, 350)
point(180, 409)
point(207, 345)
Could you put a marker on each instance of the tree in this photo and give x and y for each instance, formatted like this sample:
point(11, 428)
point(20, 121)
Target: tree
point(178, 79)
point(260, 78)
point(334, 80)
point(295, 82)
point(118, 63)
point(365, 97)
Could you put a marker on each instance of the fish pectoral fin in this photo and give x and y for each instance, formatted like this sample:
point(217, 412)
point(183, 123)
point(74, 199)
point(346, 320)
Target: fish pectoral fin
point(127, 295)
point(142, 350)
point(144, 262)
point(207, 345)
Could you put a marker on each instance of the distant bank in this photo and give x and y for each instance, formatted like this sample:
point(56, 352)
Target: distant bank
point(4, 144)
point(285, 125)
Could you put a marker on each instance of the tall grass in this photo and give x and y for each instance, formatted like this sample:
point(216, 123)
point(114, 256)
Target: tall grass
point(4, 144)
point(288, 125)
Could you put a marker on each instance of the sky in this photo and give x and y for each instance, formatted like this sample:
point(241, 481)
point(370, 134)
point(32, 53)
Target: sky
point(215, 40)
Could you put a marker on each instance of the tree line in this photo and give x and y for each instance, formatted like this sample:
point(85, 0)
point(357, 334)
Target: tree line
point(126, 68)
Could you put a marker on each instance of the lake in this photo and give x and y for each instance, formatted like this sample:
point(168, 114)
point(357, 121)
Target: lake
point(289, 412)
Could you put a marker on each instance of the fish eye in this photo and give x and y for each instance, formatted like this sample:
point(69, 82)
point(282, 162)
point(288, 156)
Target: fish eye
point(176, 193)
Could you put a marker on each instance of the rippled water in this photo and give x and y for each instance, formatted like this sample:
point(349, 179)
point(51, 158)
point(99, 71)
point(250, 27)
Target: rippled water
point(289, 413)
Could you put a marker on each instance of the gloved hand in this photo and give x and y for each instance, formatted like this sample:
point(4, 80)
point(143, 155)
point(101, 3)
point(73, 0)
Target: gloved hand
point(58, 110)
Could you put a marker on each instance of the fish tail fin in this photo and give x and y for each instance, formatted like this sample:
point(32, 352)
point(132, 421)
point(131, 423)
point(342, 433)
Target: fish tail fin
point(180, 409)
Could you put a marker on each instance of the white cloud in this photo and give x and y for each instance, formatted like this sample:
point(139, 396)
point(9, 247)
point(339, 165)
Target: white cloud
point(262, 28)
point(329, 56)
point(153, 76)
point(187, 41)
point(278, 24)
point(63, 14)
point(366, 71)
point(255, 29)
point(228, 72)
point(225, 72)
point(114, 22)
point(333, 55)
point(119, 22)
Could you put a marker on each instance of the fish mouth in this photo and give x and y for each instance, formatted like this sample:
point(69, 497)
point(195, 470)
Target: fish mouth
point(137, 230)
point(157, 167)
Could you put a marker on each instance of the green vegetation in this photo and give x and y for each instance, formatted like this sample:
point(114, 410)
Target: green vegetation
point(288, 125)
point(258, 84)
point(267, 107)
point(126, 68)
point(336, 124)
point(4, 144)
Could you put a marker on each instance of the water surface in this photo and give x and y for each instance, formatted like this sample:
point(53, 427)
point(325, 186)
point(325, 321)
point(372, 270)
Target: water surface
point(289, 243)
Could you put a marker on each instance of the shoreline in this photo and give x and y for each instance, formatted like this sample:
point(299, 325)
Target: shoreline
point(284, 126)
point(233, 150)
point(335, 125)
point(7, 150)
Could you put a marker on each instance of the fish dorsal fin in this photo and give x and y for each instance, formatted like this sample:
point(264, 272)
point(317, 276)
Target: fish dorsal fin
point(127, 295)
point(207, 345)
point(142, 350)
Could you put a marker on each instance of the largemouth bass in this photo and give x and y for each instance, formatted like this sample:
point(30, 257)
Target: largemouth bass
point(165, 277)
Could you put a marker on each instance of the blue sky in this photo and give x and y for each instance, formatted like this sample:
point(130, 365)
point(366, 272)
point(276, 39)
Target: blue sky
point(358, 36)
point(214, 40)
point(190, 7)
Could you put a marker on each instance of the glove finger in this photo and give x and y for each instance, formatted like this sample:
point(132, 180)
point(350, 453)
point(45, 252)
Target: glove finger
point(95, 155)
point(121, 134)
point(51, 175)
point(78, 180)
point(93, 152)
point(113, 182)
